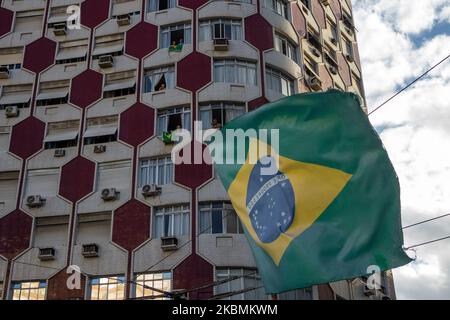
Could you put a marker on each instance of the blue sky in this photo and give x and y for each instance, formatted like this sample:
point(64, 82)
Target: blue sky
point(398, 41)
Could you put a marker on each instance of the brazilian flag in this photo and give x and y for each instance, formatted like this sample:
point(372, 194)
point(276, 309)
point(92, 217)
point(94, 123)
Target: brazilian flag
point(331, 207)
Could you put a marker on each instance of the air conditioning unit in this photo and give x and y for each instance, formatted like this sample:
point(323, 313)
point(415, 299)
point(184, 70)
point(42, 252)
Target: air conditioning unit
point(46, 254)
point(100, 149)
point(60, 29)
point(315, 51)
point(325, 2)
point(11, 111)
point(124, 20)
point(350, 58)
point(151, 190)
point(221, 44)
point(59, 153)
point(333, 70)
point(369, 292)
point(109, 194)
point(169, 243)
point(4, 72)
point(314, 83)
point(35, 201)
point(106, 61)
point(90, 250)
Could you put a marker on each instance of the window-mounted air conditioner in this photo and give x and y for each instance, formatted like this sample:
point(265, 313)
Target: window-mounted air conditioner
point(151, 190)
point(59, 153)
point(123, 19)
point(60, 29)
point(315, 51)
point(4, 72)
point(11, 111)
point(110, 194)
point(314, 83)
point(89, 250)
point(35, 201)
point(350, 58)
point(333, 70)
point(106, 61)
point(169, 243)
point(221, 44)
point(100, 149)
point(46, 254)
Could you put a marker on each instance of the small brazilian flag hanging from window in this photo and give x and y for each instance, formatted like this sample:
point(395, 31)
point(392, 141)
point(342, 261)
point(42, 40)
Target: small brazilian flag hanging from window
point(331, 207)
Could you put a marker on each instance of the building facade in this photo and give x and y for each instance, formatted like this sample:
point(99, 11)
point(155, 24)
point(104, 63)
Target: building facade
point(86, 178)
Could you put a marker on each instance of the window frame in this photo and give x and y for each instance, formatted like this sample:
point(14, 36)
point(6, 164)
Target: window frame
point(235, 64)
point(141, 281)
point(153, 165)
point(119, 281)
point(226, 208)
point(17, 289)
point(182, 209)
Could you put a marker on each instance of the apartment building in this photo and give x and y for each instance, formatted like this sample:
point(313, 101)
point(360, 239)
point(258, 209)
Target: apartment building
point(86, 177)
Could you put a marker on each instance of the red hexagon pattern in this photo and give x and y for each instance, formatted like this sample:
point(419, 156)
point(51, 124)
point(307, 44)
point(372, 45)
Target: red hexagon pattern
point(27, 137)
point(131, 225)
point(196, 64)
point(77, 179)
point(15, 233)
point(87, 87)
point(137, 124)
point(6, 20)
point(39, 55)
point(141, 40)
point(190, 174)
point(259, 32)
point(192, 4)
point(94, 12)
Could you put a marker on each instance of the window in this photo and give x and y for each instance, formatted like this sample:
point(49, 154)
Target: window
point(314, 39)
point(101, 130)
point(348, 21)
point(306, 3)
point(311, 66)
point(248, 278)
point(299, 294)
point(219, 218)
point(215, 115)
point(35, 290)
point(280, 82)
point(107, 288)
point(348, 47)
point(159, 79)
point(330, 57)
point(221, 29)
point(173, 118)
point(235, 71)
point(277, 6)
point(176, 34)
point(160, 280)
point(334, 31)
point(158, 5)
point(283, 45)
point(108, 45)
point(157, 171)
point(12, 66)
point(171, 221)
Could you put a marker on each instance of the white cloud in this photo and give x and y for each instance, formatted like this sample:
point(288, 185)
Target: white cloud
point(417, 126)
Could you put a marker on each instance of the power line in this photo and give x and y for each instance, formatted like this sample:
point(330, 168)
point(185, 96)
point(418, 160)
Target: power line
point(424, 221)
point(409, 85)
point(428, 242)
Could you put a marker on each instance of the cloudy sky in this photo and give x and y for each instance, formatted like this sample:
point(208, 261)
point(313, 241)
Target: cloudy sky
point(399, 40)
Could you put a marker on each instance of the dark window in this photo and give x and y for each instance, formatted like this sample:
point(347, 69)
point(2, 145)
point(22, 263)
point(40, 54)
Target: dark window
point(51, 102)
point(61, 144)
point(100, 139)
point(119, 92)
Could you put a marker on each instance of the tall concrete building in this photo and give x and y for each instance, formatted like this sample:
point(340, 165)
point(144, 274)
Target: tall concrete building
point(86, 177)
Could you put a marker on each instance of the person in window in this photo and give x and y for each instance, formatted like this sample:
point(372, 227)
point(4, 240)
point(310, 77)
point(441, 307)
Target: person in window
point(174, 47)
point(162, 87)
point(216, 124)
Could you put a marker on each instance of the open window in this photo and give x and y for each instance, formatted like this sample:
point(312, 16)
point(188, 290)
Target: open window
point(159, 79)
point(101, 130)
point(62, 135)
point(172, 119)
point(175, 36)
point(217, 114)
point(158, 5)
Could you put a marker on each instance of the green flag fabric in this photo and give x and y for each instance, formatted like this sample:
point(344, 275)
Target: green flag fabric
point(331, 208)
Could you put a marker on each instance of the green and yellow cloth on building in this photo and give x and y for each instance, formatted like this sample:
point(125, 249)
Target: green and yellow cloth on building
point(332, 209)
